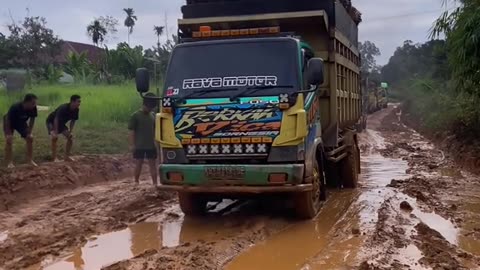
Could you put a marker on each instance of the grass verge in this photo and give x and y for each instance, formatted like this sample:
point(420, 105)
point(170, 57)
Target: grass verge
point(101, 129)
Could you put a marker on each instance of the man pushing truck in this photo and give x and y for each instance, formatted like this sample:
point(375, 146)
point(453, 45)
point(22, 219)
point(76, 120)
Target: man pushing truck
point(260, 97)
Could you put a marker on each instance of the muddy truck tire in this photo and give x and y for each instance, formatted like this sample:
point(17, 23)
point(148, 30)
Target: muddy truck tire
point(192, 204)
point(308, 204)
point(350, 167)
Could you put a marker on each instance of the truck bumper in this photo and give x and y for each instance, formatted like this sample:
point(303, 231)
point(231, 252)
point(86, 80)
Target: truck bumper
point(254, 180)
point(237, 189)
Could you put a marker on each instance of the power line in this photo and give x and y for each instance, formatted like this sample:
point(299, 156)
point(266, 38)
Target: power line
point(406, 15)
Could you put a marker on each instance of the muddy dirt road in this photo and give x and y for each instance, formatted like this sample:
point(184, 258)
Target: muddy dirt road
point(414, 209)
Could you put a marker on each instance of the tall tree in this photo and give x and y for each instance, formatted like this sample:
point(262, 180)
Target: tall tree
point(158, 31)
point(36, 43)
point(7, 52)
point(130, 21)
point(97, 32)
point(368, 52)
point(110, 24)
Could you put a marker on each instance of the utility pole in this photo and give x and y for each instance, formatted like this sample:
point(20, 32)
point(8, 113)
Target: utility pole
point(166, 26)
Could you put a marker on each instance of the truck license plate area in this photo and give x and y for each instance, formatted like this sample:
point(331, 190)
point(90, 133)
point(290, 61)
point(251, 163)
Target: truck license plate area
point(225, 172)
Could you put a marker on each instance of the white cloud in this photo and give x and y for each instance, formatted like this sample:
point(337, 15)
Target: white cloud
point(386, 23)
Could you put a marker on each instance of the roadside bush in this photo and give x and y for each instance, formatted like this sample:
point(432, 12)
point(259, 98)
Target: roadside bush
point(439, 108)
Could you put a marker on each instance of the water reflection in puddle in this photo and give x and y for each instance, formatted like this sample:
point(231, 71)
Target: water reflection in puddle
point(3, 236)
point(113, 247)
point(377, 173)
point(290, 248)
point(106, 249)
point(411, 256)
point(327, 241)
point(440, 224)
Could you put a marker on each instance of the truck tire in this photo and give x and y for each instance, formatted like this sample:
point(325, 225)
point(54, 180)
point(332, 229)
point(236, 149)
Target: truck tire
point(350, 167)
point(308, 204)
point(192, 204)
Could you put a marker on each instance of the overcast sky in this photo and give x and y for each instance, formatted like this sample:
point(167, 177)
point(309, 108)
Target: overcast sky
point(385, 22)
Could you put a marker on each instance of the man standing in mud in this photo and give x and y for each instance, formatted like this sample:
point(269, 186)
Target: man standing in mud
point(16, 120)
point(57, 124)
point(142, 138)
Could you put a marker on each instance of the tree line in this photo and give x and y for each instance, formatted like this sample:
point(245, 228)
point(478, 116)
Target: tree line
point(32, 46)
point(439, 80)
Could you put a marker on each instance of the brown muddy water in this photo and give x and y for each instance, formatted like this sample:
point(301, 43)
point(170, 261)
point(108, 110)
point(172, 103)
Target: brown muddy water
point(333, 240)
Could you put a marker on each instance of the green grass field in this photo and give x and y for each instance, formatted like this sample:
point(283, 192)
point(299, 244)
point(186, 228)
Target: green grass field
point(101, 129)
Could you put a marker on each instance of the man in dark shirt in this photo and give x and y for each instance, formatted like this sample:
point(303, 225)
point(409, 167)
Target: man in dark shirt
point(57, 124)
point(16, 120)
point(142, 139)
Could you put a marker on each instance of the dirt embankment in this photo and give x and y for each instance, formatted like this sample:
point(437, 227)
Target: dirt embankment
point(461, 146)
point(49, 227)
point(24, 183)
point(430, 218)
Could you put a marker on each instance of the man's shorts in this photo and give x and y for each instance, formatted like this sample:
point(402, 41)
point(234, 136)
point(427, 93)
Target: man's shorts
point(61, 129)
point(145, 154)
point(21, 128)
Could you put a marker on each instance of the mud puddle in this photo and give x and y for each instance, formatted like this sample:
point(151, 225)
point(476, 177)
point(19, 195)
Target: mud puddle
point(289, 248)
point(333, 239)
point(169, 230)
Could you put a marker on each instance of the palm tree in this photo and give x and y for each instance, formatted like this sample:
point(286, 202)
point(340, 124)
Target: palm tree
point(158, 31)
point(97, 32)
point(130, 21)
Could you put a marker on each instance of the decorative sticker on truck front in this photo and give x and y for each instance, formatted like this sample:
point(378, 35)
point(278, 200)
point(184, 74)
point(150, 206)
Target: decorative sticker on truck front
point(227, 121)
point(239, 81)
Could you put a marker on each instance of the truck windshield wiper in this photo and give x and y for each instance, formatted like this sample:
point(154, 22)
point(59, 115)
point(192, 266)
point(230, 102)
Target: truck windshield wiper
point(250, 89)
point(202, 92)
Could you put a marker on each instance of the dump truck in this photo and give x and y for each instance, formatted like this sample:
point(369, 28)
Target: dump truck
point(260, 98)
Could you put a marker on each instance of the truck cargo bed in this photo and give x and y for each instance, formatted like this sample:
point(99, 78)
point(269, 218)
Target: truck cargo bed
point(344, 19)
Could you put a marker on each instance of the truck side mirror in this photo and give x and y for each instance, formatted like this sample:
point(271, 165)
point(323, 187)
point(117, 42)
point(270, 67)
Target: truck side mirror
point(142, 80)
point(315, 71)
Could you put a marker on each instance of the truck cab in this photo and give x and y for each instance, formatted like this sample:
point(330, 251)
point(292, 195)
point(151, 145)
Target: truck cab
point(241, 114)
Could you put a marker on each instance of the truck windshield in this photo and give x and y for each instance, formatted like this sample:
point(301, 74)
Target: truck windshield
point(218, 69)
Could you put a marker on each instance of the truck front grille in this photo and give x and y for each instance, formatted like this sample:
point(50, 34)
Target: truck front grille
point(218, 151)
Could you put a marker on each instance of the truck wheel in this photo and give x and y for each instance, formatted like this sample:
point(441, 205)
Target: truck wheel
point(349, 167)
point(192, 204)
point(308, 204)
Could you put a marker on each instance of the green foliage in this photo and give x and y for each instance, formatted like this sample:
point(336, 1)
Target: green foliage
point(8, 52)
point(80, 68)
point(97, 32)
point(53, 74)
point(130, 21)
point(34, 44)
point(110, 24)
point(368, 52)
point(412, 61)
point(462, 30)
point(158, 32)
point(161, 56)
point(104, 114)
point(123, 61)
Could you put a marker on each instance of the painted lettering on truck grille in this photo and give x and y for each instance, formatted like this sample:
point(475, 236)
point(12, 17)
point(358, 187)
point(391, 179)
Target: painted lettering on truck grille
point(213, 121)
point(217, 82)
